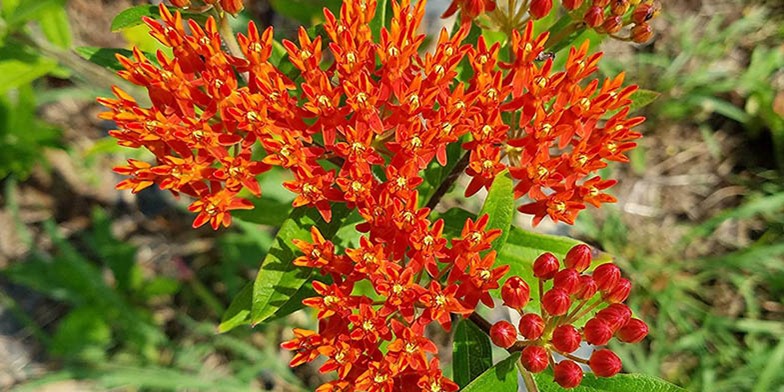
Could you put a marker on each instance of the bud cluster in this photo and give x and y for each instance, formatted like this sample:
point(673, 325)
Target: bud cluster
point(604, 16)
point(573, 294)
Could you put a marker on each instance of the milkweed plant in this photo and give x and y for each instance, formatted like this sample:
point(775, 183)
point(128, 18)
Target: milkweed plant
point(375, 122)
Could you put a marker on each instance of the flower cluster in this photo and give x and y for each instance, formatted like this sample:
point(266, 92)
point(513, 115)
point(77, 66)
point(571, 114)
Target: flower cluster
point(572, 296)
point(357, 121)
point(352, 326)
point(203, 126)
point(610, 16)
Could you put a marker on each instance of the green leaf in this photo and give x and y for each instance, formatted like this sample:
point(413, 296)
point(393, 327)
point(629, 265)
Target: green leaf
point(107, 57)
point(238, 312)
point(618, 383)
point(472, 353)
point(500, 378)
point(383, 9)
point(305, 11)
point(133, 16)
point(28, 10)
point(278, 279)
point(642, 98)
point(500, 206)
point(19, 67)
point(83, 333)
point(266, 211)
point(56, 27)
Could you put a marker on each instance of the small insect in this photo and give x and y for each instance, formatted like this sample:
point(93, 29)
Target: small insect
point(545, 56)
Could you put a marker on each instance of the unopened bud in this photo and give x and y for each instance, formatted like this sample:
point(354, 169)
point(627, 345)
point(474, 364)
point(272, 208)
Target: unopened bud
point(572, 4)
point(556, 301)
point(604, 363)
point(619, 7)
point(568, 374)
point(620, 292)
point(633, 332)
point(515, 292)
point(503, 334)
point(579, 258)
point(642, 33)
point(594, 17)
point(540, 8)
point(531, 326)
point(612, 25)
point(566, 338)
point(597, 332)
point(534, 358)
point(567, 279)
point(546, 266)
point(606, 276)
point(617, 315)
point(586, 288)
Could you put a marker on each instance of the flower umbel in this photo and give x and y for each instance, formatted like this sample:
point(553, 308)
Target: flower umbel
point(357, 121)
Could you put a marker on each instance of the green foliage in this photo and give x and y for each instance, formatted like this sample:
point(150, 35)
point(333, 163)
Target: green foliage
point(500, 378)
point(472, 352)
point(618, 383)
point(305, 11)
point(22, 135)
point(698, 82)
point(279, 280)
point(107, 57)
point(500, 207)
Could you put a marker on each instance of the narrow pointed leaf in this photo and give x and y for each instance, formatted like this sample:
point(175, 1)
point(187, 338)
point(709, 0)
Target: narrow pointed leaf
point(500, 206)
point(500, 378)
point(279, 279)
point(472, 352)
point(618, 383)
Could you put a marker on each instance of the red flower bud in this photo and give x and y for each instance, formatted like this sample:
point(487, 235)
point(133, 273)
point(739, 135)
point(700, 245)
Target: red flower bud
point(568, 374)
point(642, 33)
point(643, 13)
point(606, 276)
point(232, 6)
point(534, 358)
point(567, 279)
point(594, 17)
point(619, 7)
point(572, 4)
point(503, 334)
point(633, 332)
point(566, 338)
point(586, 288)
point(617, 315)
point(597, 332)
point(579, 258)
point(546, 266)
point(601, 3)
point(612, 25)
point(619, 292)
point(540, 8)
point(181, 3)
point(531, 326)
point(556, 301)
point(604, 363)
point(515, 293)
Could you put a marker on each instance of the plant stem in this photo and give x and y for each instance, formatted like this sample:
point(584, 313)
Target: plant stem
point(450, 179)
point(528, 378)
point(481, 322)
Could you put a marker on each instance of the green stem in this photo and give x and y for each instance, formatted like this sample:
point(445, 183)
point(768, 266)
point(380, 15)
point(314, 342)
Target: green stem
point(528, 378)
point(450, 179)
